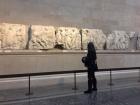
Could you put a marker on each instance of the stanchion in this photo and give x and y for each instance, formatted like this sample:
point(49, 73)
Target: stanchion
point(29, 87)
point(110, 78)
point(75, 85)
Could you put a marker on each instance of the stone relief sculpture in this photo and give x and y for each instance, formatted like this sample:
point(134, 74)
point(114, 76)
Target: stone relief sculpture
point(119, 40)
point(13, 36)
point(133, 38)
point(94, 35)
point(43, 37)
point(68, 37)
point(18, 36)
point(0, 36)
point(138, 41)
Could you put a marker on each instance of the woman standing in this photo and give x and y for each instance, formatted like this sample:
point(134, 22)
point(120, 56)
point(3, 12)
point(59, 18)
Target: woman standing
point(91, 64)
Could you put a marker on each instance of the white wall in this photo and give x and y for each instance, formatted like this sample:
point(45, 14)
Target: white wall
point(104, 14)
point(31, 61)
point(28, 62)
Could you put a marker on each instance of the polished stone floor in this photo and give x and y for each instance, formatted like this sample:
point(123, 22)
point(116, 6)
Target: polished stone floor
point(124, 92)
point(125, 96)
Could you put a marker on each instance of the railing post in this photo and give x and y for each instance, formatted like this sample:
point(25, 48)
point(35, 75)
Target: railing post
point(75, 85)
point(139, 76)
point(29, 86)
point(110, 83)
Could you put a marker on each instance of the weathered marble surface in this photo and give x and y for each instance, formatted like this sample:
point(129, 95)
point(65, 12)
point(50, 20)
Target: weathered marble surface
point(13, 36)
point(69, 37)
point(43, 37)
point(119, 40)
point(138, 41)
point(93, 35)
point(0, 36)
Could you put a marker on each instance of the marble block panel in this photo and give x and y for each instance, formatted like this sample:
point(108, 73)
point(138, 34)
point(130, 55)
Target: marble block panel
point(43, 37)
point(13, 36)
point(138, 41)
point(1, 36)
point(93, 35)
point(69, 37)
point(119, 40)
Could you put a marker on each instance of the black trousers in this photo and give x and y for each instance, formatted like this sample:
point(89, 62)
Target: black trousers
point(92, 82)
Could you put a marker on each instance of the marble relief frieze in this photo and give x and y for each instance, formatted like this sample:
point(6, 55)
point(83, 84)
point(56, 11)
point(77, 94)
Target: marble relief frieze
point(43, 37)
point(19, 36)
point(13, 36)
point(138, 41)
point(119, 40)
point(93, 35)
point(1, 36)
point(68, 37)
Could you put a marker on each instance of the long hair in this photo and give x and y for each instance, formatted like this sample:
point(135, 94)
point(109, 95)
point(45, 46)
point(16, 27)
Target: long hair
point(91, 50)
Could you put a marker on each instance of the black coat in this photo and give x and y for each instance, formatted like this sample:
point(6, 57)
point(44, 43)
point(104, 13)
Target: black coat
point(90, 61)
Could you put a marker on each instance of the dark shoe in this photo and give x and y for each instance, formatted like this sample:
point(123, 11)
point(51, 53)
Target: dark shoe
point(94, 89)
point(88, 91)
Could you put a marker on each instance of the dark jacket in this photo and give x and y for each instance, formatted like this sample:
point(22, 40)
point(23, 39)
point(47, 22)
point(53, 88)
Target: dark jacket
point(90, 59)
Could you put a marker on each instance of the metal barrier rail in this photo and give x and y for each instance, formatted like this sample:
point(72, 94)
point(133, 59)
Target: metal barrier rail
point(64, 72)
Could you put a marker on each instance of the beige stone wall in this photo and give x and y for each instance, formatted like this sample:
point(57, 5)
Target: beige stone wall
point(96, 14)
point(26, 62)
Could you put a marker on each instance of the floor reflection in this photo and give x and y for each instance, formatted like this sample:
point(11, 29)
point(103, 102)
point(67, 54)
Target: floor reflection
point(92, 98)
point(125, 96)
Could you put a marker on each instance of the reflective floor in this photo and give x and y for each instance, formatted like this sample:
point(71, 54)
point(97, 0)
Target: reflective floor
point(125, 91)
point(125, 96)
